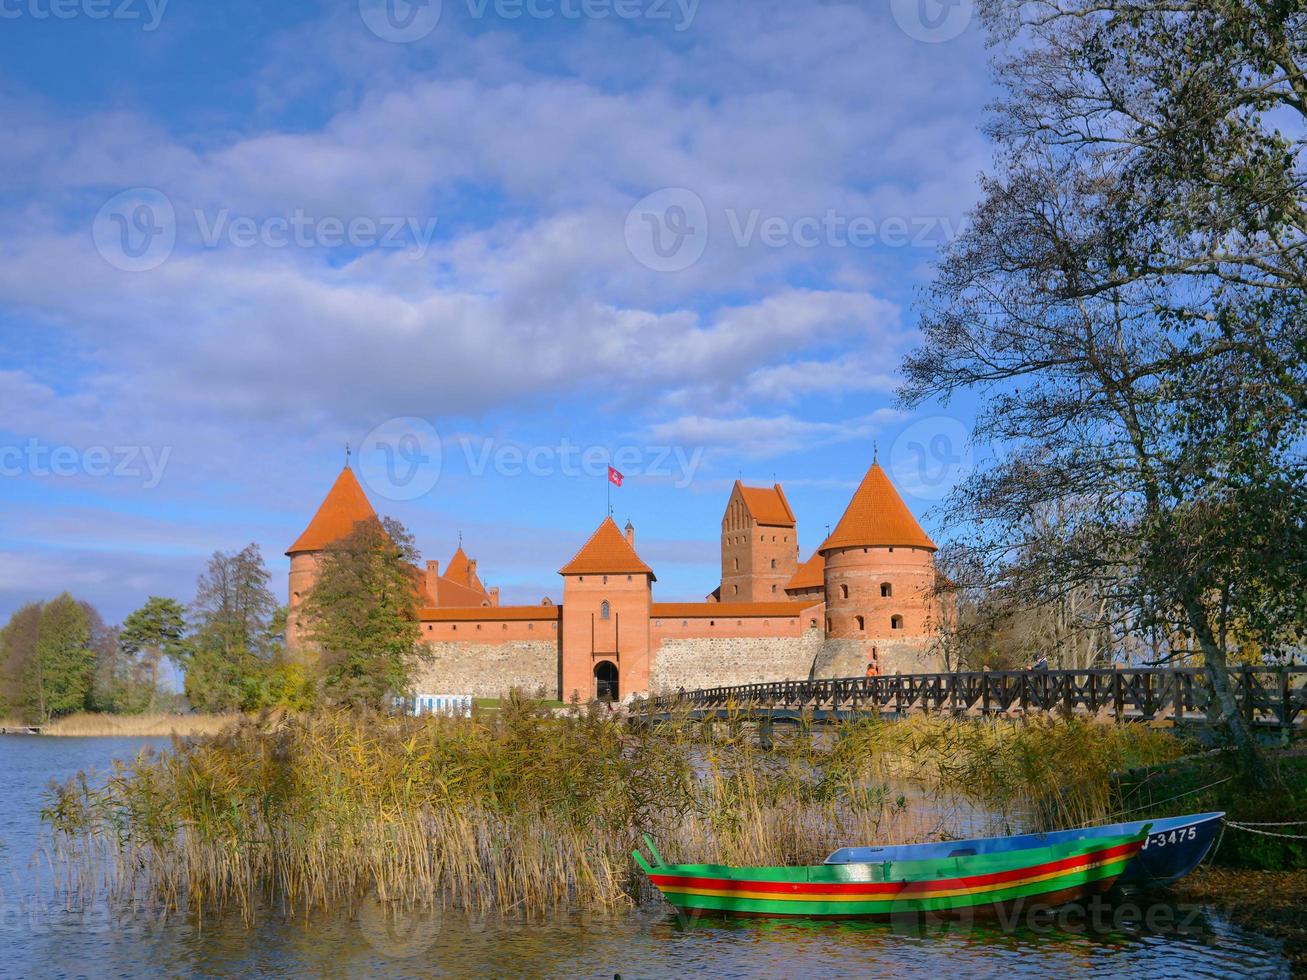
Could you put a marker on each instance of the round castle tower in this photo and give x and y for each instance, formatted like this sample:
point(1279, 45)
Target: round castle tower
point(880, 577)
point(344, 506)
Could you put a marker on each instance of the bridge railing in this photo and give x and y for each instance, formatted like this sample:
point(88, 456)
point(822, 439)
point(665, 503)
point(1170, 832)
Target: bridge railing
point(1272, 695)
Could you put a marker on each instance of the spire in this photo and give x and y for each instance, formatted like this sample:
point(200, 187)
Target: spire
point(344, 506)
point(877, 517)
point(347, 455)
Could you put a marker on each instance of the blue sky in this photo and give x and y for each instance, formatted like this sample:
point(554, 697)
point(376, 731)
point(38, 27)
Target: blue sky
point(488, 243)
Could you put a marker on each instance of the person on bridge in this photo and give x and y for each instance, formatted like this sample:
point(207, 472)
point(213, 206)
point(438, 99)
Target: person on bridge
point(1041, 663)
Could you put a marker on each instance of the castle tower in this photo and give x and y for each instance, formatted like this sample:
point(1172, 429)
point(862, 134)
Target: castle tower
point(607, 592)
point(879, 576)
point(760, 545)
point(345, 505)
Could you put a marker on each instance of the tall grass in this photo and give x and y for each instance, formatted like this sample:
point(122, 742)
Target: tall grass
point(87, 724)
point(517, 810)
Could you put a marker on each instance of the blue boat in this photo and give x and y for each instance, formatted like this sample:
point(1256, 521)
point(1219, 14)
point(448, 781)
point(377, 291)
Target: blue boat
point(1175, 846)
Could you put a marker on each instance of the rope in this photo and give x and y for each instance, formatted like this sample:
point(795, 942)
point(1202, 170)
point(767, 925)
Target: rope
point(1286, 823)
point(1188, 792)
point(1264, 833)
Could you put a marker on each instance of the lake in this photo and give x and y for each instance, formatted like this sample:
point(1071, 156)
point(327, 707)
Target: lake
point(40, 937)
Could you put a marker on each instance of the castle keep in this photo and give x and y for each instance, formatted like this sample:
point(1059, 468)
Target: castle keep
point(863, 601)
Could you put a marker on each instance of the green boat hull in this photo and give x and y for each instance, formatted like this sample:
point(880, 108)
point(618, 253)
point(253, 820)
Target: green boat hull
point(962, 885)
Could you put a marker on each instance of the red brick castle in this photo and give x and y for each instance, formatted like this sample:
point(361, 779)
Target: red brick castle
point(863, 601)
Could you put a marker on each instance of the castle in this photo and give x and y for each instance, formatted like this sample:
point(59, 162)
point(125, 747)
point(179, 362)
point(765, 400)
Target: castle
point(863, 602)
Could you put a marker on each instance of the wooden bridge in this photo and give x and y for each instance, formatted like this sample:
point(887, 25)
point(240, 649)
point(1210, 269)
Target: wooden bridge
point(1267, 696)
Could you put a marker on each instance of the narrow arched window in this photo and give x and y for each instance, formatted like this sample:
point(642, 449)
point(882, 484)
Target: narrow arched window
point(896, 622)
point(861, 625)
point(773, 563)
point(886, 590)
point(603, 609)
point(844, 591)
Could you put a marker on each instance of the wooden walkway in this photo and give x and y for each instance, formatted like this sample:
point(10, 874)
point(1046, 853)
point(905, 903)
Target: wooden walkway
point(1268, 696)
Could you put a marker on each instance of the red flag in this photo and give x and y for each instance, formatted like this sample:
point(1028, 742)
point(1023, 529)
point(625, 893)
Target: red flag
point(614, 477)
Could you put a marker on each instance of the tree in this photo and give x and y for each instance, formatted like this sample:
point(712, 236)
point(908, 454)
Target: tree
point(17, 651)
point(1129, 297)
point(153, 632)
point(233, 636)
point(58, 680)
point(362, 613)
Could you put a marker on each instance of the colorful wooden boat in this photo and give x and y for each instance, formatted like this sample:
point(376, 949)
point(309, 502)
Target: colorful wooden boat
point(965, 884)
point(1173, 848)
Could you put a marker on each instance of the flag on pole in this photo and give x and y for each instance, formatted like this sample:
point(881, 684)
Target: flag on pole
point(614, 477)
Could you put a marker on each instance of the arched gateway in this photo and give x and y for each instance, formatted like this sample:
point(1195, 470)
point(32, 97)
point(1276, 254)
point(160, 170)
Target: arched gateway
point(606, 681)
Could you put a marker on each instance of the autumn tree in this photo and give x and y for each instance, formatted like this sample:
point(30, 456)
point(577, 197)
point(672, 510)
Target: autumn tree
point(362, 613)
point(1128, 300)
point(58, 679)
point(234, 632)
point(17, 652)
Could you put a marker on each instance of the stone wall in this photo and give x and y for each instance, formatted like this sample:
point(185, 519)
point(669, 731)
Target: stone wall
point(487, 670)
point(724, 661)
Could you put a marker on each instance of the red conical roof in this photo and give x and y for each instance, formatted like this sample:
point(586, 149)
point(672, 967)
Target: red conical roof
point(607, 551)
point(344, 506)
point(877, 517)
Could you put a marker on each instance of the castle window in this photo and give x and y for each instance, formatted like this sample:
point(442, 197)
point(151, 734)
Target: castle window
point(812, 624)
point(844, 591)
point(712, 622)
point(605, 580)
point(530, 626)
point(580, 578)
point(737, 564)
point(685, 622)
point(628, 578)
point(603, 609)
point(886, 590)
point(891, 550)
point(554, 625)
point(735, 590)
point(739, 622)
point(773, 587)
point(478, 625)
point(861, 624)
point(505, 626)
point(773, 563)
point(762, 538)
point(828, 625)
point(896, 622)
point(658, 622)
point(430, 628)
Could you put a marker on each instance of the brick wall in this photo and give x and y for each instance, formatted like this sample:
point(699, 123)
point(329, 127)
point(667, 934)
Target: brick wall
point(728, 660)
point(489, 670)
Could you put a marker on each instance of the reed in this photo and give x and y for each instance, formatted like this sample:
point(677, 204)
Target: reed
point(519, 811)
point(88, 724)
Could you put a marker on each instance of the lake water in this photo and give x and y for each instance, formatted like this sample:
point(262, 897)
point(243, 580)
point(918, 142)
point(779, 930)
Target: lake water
point(39, 937)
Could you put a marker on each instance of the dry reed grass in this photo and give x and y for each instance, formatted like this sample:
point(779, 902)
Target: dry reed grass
point(89, 725)
point(523, 812)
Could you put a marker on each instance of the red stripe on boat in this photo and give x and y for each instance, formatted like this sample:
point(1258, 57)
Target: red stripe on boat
point(887, 887)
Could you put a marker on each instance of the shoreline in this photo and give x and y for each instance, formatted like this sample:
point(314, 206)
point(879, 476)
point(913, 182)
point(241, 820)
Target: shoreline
point(121, 726)
point(1273, 903)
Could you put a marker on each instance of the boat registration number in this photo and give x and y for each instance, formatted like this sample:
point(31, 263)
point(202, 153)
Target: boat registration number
point(1174, 837)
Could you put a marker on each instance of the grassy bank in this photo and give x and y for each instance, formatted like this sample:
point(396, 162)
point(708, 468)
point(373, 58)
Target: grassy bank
point(1215, 781)
point(105, 725)
point(518, 810)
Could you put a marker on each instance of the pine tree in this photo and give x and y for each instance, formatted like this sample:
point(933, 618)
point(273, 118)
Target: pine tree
point(153, 632)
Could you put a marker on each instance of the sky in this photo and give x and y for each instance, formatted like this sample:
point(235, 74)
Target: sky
point(492, 246)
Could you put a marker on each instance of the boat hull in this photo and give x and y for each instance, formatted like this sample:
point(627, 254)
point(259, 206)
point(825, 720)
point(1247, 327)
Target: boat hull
point(966, 886)
point(1173, 848)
